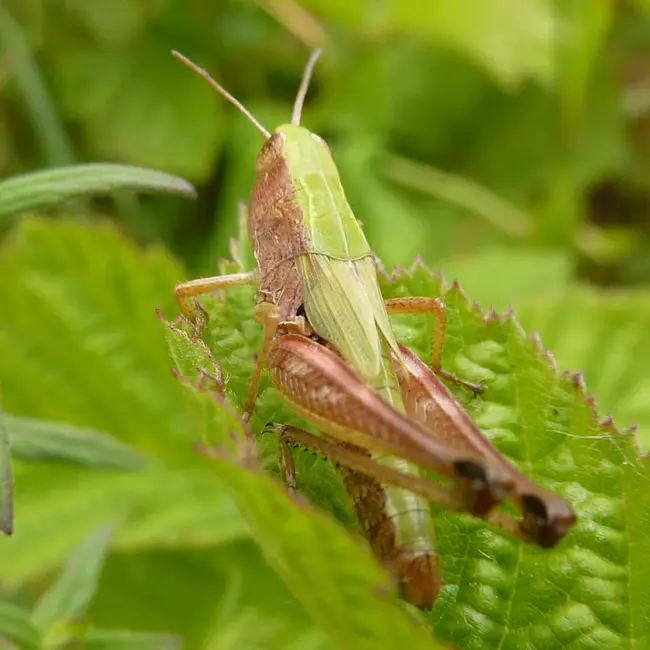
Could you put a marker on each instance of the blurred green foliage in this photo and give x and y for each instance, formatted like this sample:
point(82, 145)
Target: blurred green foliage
point(59, 617)
point(543, 104)
point(505, 141)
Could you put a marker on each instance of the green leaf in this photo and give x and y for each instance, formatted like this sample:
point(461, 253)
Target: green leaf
point(331, 573)
point(223, 598)
point(511, 39)
point(70, 596)
point(594, 586)
point(501, 277)
point(86, 314)
point(16, 625)
point(79, 337)
point(644, 5)
point(236, 624)
point(592, 589)
point(44, 189)
point(145, 108)
point(43, 440)
point(156, 509)
point(81, 344)
point(126, 640)
point(605, 336)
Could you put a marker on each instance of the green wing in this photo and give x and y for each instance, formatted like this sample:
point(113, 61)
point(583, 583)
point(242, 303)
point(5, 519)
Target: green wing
point(345, 306)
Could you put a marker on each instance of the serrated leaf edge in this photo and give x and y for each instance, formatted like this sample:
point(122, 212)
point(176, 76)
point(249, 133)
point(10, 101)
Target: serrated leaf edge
point(575, 379)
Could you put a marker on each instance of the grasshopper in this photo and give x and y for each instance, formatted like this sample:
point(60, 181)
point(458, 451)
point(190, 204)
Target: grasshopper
point(331, 352)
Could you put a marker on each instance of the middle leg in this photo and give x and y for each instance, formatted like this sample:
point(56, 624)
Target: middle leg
point(437, 307)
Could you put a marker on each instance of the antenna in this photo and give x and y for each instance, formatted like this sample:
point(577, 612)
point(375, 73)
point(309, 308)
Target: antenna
point(304, 85)
point(235, 102)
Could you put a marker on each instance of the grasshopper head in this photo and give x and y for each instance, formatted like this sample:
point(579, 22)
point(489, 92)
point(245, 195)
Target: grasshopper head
point(289, 142)
point(301, 150)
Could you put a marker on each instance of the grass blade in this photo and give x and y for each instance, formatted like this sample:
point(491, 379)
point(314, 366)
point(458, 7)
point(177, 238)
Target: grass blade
point(75, 588)
point(6, 481)
point(127, 640)
point(42, 189)
point(39, 440)
point(16, 626)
